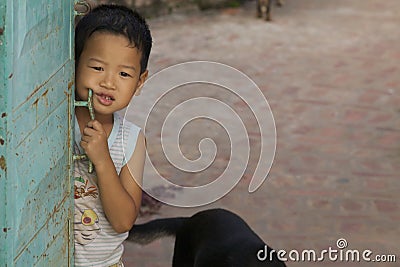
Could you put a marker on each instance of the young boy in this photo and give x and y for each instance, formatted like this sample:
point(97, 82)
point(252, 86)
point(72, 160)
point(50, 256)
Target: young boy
point(112, 47)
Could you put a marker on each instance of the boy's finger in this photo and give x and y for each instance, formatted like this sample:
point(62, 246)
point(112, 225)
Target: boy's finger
point(85, 139)
point(83, 144)
point(89, 131)
point(95, 125)
point(90, 124)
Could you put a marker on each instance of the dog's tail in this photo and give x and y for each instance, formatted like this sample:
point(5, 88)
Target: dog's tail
point(155, 229)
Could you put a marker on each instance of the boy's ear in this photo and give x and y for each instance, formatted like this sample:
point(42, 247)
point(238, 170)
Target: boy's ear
point(142, 79)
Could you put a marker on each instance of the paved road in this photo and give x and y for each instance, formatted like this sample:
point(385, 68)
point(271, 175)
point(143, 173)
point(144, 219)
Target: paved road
point(330, 72)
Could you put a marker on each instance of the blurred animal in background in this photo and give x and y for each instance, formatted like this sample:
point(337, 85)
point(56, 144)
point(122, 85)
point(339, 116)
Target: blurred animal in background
point(264, 8)
point(210, 238)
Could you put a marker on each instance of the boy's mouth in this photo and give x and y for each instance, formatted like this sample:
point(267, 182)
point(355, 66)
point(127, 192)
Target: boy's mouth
point(105, 99)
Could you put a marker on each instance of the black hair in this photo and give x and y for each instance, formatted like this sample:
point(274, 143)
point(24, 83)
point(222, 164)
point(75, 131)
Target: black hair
point(118, 20)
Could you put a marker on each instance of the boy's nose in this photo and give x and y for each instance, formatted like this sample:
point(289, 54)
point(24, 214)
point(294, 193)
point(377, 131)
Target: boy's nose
point(108, 82)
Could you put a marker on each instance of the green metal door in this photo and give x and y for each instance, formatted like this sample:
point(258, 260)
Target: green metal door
point(36, 84)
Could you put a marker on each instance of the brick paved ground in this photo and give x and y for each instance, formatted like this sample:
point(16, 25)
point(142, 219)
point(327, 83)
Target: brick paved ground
point(330, 71)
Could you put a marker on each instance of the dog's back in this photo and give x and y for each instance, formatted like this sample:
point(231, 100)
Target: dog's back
point(216, 237)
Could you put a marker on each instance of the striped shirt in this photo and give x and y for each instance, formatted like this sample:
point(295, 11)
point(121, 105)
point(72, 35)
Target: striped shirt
point(96, 242)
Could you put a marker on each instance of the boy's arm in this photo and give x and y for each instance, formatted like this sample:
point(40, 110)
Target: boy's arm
point(120, 196)
point(131, 175)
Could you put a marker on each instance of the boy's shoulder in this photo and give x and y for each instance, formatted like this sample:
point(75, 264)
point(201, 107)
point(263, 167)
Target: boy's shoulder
point(122, 121)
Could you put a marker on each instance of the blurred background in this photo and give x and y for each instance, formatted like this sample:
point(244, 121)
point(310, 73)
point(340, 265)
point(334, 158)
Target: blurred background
point(329, 70)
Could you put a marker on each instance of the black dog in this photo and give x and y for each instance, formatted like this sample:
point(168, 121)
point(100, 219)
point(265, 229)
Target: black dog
point(210, 238)
point(264, 8)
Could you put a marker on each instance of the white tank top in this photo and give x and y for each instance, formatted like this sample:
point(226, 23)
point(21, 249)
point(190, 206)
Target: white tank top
point(96, 242)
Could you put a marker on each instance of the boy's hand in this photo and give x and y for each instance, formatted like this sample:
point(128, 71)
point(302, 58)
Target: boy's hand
point(94, 142)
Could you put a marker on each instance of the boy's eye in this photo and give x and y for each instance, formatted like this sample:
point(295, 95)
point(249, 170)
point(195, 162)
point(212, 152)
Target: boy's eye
point(97, 68)
point(124, 74)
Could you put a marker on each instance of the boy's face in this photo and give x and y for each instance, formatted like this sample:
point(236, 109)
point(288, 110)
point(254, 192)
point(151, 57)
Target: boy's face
point(110, 66)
